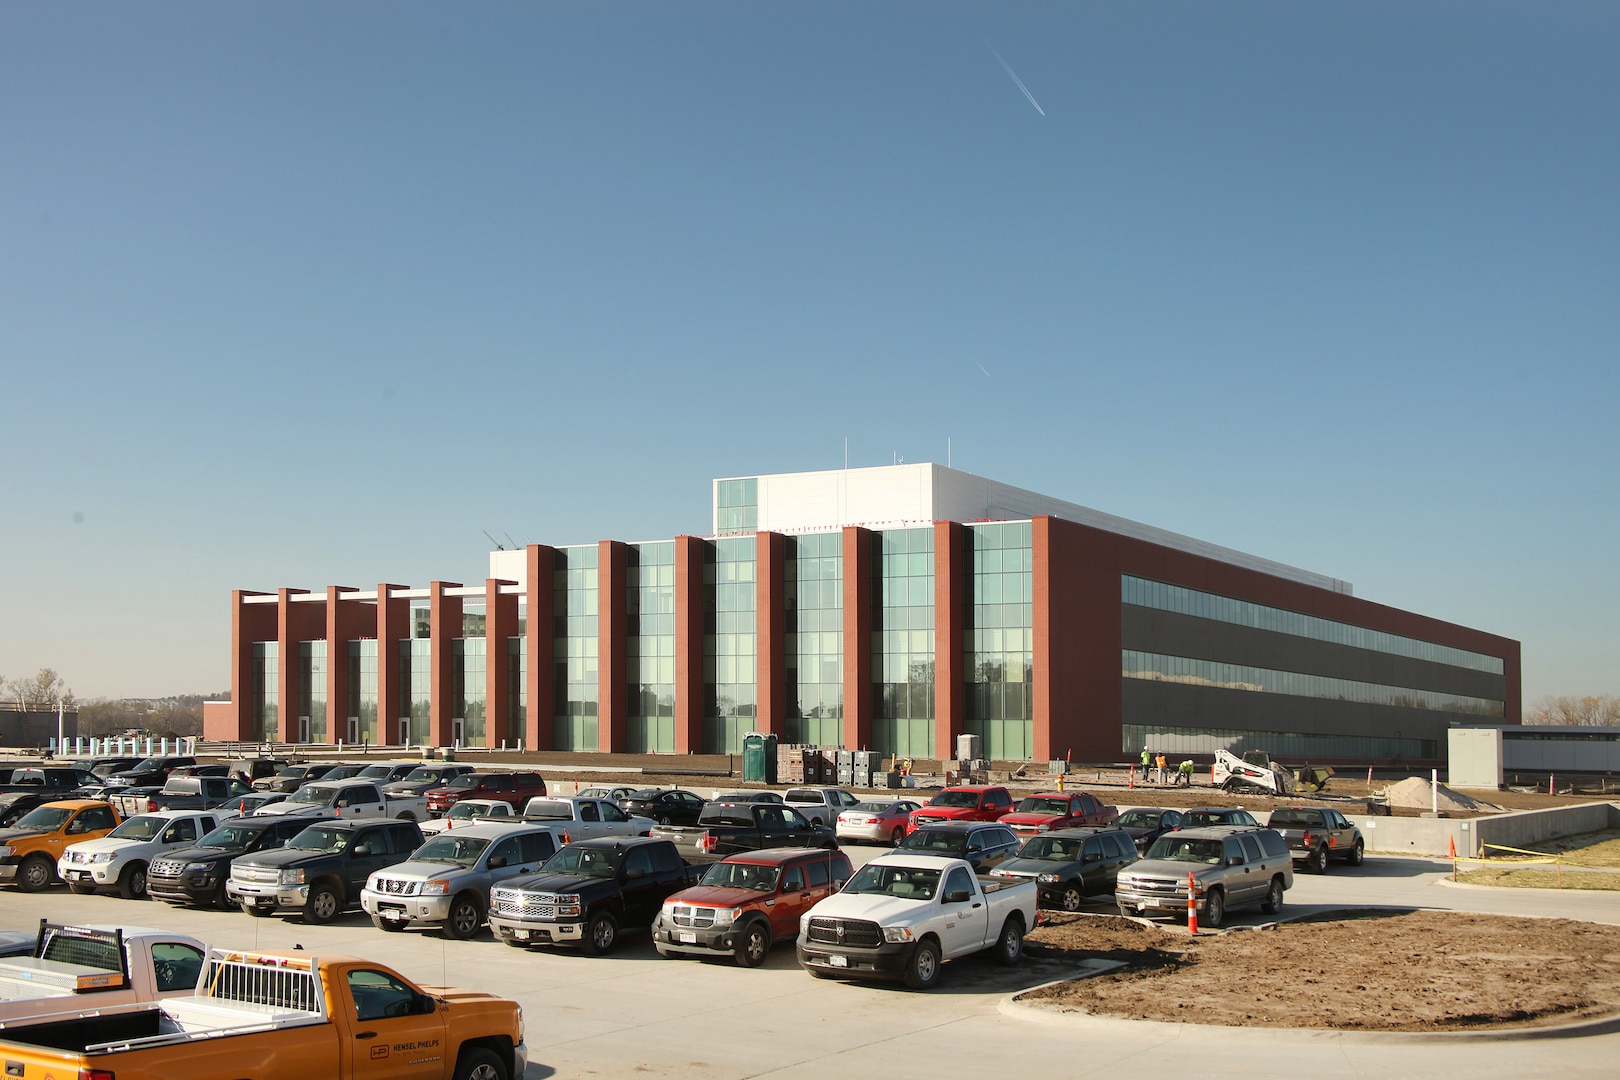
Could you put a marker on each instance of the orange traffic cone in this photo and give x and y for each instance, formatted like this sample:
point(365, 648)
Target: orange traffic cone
point(1133, 777)
point(1192, 904)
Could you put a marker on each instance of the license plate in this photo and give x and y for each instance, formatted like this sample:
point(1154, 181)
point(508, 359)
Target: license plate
point(392, 907)
point(838, 961)
point(1150, 903)
point(521, 935)
point(78, 875)
point(688, 937)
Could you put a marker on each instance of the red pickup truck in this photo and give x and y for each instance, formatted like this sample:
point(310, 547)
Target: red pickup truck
point(515, 788)
point(1050, 810)
point(969, 803)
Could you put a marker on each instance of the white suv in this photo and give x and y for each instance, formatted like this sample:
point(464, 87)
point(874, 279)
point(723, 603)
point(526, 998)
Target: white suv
point(821, 805)
point(119, 859)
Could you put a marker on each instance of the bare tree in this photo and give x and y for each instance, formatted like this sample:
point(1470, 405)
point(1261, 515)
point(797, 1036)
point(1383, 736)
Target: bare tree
point(1602, 710)
point(41, 692)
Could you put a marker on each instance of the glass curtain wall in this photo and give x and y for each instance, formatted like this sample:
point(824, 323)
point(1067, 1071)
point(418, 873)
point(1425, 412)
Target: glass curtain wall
point(264, 691)
point(578, 695)
point(736, 504)
point(363, 690)
point(814, 594)
point(1179, 742)
point(729, 645)
point(416, 679)
point(312, 689)
point(650, 647)
point(903, 643)
point(999, 640)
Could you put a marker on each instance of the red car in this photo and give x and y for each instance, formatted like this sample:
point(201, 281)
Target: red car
point(515, 788)
point(1050, 810)
point(969, 803)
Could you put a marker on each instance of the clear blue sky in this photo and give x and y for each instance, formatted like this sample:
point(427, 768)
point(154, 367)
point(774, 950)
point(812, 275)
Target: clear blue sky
point(298, 294)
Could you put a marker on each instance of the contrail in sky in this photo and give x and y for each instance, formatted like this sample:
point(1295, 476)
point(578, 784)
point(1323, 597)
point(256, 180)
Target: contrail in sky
point(981, 366)
point(1013, 75)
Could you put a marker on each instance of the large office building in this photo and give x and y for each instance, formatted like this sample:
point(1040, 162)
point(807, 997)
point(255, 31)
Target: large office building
point(888, 608)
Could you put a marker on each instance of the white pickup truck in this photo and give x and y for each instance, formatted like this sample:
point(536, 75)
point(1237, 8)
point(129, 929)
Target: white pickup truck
point(902, 915)
point(84, 967)
point(584, 817)
point(349, 799)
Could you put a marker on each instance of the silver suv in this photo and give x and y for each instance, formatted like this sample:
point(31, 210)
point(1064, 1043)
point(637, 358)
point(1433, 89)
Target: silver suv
point(1232, 866)
point(447, 880)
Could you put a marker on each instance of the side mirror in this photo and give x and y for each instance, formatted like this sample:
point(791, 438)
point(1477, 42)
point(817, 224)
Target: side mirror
point(957, 896)
point(635, 872)
point(1094, 857)
point(496, 862)
point(425, 1004)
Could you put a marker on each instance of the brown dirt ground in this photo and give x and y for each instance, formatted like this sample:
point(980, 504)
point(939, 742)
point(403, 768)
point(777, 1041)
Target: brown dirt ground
point(1372, 971)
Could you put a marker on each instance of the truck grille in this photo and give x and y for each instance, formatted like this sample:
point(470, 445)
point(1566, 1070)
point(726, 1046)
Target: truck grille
point(76, 857)
point(1155, 886)
point(258, 875)
point(523, 905)
point(167, 868)
point(692, 917)
point(398, 886)
point(859, 933)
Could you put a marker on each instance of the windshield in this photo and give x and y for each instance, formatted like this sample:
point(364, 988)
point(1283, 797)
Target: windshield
point(458, 850)
point(903, 881)
point(144, 827)
point(1176, 848)
point(318, 796)
point(151, 764)
point(44, 819)
point(1043, 806)
point(955, 798)
point(583, 862)
point(724, 875)
point(554, 810)
point(463, 810)
point(645, 793)
point(230, 837)
point(872, 807)
point(935, 840)
point(1294, 818)
point(1208, 817)
point(315, 838)
point(466, 780)
point(1139, 819)
point(107, 768)
point(419, 775)
point(1051, 849)
point(376, 772)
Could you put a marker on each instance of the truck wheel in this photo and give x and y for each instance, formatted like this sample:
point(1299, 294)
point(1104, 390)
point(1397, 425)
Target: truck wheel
point(1127, 912)
point(464, 919)
point(406, 816)
point(322, 905)
point(1319, 861)
point(601, 934)
point(132, 882)
point(1010, 945)
point(388, 926)
point(1072, 898)
point(1357, 854)
point(754, 945)
point(221, 899)
point(1215, 909)
point(1274, 897)
point(898, 835)
point(922, 970)
point(37, 873)
point(477, 1063)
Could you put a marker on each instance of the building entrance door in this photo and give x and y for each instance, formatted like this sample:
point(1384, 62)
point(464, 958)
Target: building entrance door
point(457, 726)
point(303, 729)
point(354, 730)
point(404, 731)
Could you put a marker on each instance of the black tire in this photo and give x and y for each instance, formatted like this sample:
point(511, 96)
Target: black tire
point(601, 934)
point(1358, 854)
point(322, 906)
point(132, 882)
point(1129, 913)
point(922, 968)
point(754, 944)
point(1010, 945)
point(479, 1063)
point(388, 926)
point(897, 836)
point(1318, 861)
point(406, 816)
point(466, 916)
point(258, 912)
point(1072, 899)
point(1274, 897)
point(221, 900)
point(1214, 909)
point(35, 873)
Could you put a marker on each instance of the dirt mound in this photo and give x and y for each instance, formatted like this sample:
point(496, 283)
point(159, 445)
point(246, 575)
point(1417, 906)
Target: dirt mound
point(1416, 793)
point(1378, 971)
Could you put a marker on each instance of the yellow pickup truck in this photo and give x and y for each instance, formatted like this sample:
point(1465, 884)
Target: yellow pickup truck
point(266, 1016)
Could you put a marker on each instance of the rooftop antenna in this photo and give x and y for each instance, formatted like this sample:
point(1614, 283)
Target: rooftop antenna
point(492, 540)
point(509, 540)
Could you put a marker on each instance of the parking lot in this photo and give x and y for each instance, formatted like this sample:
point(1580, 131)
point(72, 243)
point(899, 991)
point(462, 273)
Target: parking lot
point(633, 1012)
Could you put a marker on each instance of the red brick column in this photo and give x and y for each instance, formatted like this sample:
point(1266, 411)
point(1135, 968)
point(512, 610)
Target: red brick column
point(444, 624)
point(291, 628)
point(770, 615)
point(250, 623)
point(346, 621)
point(393, 626)
point(612, 683)
point(538, 645)
point(857, 637)
point(691, 599)
point(951, 556)
point(1078, 697)
point(500, 624)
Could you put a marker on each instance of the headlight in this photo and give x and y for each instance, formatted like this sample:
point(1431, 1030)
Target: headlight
point(199, 867)
point(292, 877)
point(7, 849)
point(103, 856)
point(897, 934)
point(568, 904)
point(435, 888)
point(1047, 879)
point(1043, 828)
point(999, 872)
point(726, 916)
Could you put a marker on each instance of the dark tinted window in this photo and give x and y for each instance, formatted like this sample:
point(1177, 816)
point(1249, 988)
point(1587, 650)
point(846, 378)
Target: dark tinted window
point(1272, 843)
point(613, 813)
point(537, 847)
point(666, 860)
point(639, 859)
point(406, 837)
point(587, 812)
point(1251, 848)
point(959, 880)
point(1005, 836)
point(793, 879)
point(817, 872)
point(509, 849)
point(1114, 845)
point(97, 817)
point(1092, 850)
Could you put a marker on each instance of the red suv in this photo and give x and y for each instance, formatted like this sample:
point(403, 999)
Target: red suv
point(514, 788)
point(970, 803)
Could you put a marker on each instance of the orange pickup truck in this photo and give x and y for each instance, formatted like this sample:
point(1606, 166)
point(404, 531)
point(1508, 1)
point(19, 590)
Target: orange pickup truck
point(263, 1016)
point(29, 849)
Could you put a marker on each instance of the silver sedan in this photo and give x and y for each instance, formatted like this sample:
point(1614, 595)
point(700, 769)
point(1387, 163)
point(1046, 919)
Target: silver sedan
point(878, 821)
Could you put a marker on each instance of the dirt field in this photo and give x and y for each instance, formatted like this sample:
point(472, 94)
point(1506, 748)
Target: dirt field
point(1376, 971)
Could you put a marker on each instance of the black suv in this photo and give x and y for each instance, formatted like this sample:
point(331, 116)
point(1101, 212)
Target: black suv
point(151, 772)
point(197, 875)
point(321, 870)
point(1069, 865)
point(982, 843)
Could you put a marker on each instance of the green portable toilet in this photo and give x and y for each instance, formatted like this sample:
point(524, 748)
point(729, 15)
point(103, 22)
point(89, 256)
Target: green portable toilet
point(759, 758)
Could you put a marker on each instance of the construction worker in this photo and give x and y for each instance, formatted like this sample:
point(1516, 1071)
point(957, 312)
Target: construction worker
point(1147, 759)
point(1161, 761)
point(1186, 771)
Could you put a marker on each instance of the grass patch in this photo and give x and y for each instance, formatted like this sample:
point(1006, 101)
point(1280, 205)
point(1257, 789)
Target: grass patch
point(1541, 877)
point(1588, 849)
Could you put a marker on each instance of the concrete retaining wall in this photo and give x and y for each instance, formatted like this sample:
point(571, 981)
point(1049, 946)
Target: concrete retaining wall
point(1520, 829)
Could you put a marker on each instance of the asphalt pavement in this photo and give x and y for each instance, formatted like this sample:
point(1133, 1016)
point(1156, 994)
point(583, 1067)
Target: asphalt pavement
point(635, 1013)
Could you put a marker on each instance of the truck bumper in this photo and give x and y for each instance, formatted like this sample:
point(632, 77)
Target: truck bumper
point(887, 961)
point(537, 933)
point(708, 941)
point(405, 908)
point(187, 889)
point(1156, 905)
point(98, 875)
point(8, 868)
point(268, 896)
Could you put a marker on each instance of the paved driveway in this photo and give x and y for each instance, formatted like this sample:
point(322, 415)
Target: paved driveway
point(635, 1013)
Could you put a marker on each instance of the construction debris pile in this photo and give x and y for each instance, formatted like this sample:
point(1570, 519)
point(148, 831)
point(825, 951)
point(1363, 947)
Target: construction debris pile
point(1417, 793)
